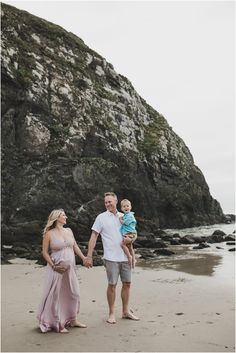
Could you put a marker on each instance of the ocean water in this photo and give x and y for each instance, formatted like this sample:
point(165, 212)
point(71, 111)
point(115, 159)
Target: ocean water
point(216, 261)
point(204, 230)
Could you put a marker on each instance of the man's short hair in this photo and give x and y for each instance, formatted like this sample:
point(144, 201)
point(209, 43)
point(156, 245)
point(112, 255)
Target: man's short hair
point(110, 193)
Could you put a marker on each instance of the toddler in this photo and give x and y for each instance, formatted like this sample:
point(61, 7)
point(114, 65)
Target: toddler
point(128, 231)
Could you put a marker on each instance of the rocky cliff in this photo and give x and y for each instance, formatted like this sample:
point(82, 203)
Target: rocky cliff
point(73, 128)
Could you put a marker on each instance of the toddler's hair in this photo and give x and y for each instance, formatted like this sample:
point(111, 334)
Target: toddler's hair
point(124, 201)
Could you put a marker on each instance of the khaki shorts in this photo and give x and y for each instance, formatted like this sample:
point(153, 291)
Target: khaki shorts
point(116, 269)
point(129, 238)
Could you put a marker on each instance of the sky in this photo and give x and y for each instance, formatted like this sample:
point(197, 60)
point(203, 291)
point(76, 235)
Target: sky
point(179, 56)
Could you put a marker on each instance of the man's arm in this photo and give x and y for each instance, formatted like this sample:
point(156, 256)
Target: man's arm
point(91, 246)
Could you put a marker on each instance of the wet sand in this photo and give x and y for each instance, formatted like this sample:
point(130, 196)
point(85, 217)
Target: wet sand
point(186, 304)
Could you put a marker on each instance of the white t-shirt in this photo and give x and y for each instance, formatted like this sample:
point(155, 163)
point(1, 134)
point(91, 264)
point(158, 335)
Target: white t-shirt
point(108, 226)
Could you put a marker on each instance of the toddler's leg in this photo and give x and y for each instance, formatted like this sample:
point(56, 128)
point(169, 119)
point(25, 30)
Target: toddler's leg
point(127, 253)
point(133, 255)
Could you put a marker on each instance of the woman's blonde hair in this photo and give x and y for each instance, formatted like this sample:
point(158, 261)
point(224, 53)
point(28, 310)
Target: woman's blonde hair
point(52, 220)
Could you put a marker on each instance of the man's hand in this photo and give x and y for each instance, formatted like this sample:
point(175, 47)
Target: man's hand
point(121, 220)
point(88, 262)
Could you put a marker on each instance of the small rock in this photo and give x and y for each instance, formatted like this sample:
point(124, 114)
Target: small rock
point(160, 232)
point(165, 252)
point(186, 240)
point(174, 242)
point(166, 237)
point(201, 246)
point(147, 256)
point(176, 235)
point(160, 244)
point(198, 239)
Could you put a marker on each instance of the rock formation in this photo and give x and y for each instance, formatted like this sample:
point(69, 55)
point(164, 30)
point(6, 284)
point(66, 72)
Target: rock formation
point(73, 128)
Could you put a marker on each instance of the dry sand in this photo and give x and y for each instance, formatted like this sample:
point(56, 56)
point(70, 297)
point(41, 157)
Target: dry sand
point(180, 310)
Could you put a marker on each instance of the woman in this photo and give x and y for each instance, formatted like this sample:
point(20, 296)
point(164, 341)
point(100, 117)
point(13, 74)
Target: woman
point(61, 299)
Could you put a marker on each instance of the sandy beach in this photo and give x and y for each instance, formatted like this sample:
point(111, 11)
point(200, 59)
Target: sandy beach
point(186, 304)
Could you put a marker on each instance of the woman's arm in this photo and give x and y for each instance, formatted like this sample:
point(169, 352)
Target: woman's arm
point(45, 246)
point(76, 248)
point(78, 252)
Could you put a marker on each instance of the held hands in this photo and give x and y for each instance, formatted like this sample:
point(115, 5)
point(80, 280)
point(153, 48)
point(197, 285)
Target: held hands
point(88, 262)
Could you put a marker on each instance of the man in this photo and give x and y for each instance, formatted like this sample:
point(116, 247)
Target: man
point(107, 224)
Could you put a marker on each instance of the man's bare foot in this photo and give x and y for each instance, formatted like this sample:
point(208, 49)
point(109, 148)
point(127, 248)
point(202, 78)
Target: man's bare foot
point(130, 316)
point(64, 330)
point(111, 319)
point(77, 324)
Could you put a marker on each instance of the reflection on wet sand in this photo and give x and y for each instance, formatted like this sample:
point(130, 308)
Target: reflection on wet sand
point(203, 264)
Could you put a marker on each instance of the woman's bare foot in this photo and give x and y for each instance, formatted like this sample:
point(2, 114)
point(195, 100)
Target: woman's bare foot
point(77, 324)
point(64, 330)
point(111, 319)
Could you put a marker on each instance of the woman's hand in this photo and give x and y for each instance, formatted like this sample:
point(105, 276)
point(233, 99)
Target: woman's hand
point(88, 262)
point(59, 268)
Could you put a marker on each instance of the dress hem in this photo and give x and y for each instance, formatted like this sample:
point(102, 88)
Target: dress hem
point(46, 327)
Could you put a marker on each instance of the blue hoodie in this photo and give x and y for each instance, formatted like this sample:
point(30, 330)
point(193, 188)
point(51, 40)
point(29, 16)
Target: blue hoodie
point(129, 224)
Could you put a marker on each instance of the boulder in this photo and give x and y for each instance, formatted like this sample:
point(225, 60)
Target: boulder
point(216, 238)
point(218, 232)
point(73, 128)
point(230, 237)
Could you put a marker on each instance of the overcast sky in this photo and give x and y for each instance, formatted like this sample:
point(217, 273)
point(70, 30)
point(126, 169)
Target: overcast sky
point(179, 56)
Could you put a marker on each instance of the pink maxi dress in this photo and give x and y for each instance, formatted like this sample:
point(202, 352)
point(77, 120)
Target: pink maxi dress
point(61, 299)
